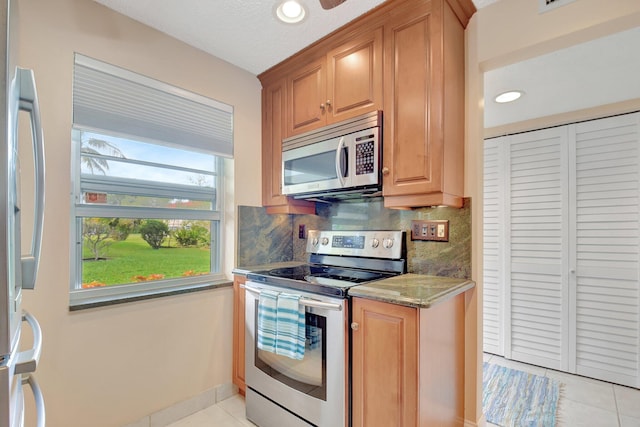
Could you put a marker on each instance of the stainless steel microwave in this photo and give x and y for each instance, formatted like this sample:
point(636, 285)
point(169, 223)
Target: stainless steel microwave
point(338, 161)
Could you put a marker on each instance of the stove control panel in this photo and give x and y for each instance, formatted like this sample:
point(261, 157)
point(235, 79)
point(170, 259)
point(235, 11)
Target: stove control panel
point(372, 244)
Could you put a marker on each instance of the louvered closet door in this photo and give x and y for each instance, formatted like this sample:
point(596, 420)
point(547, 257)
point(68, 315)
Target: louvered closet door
point(537, 249)
point(605, 282)
point(493, 248)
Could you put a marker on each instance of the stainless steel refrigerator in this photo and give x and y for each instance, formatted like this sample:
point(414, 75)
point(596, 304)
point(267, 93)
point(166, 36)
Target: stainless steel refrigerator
point(17, 270)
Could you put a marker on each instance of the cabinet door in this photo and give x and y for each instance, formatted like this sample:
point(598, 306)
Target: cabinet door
point(354, 77)
point(423, 162)
point(273, 132)
point(605, 276)
point(384, 365)
point(306, 88)
point(537, 248)
point(411, 155)
point(493, 246)
point(238, 333)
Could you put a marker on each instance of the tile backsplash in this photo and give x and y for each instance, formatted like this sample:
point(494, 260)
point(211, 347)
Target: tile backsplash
point(264, 239)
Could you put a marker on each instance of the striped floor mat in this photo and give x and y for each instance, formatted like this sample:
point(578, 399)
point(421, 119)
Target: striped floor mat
point(513, 398)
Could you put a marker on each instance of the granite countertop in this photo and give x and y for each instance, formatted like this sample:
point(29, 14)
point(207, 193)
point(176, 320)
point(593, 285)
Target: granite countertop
point(413, 290)
point(244, 270)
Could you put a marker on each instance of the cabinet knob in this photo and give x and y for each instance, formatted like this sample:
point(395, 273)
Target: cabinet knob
point(385, 171)
point(355, 326)
point(322, 106)
point(328, 102)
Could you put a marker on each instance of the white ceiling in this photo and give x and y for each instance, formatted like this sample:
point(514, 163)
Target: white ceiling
point(599, 72)
point(247, 34)
point(243, 32)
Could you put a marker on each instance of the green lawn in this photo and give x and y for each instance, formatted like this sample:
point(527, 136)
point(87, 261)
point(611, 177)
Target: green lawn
point(134, 257)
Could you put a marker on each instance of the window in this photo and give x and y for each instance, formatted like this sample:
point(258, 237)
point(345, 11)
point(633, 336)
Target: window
point(147, 174)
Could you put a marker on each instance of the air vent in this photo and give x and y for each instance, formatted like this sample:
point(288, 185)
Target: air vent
point(547, 5)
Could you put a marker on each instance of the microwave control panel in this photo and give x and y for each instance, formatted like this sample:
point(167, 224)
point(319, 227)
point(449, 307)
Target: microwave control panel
point(365, 155)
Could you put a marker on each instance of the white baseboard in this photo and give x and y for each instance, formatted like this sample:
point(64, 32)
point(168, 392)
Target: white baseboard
point(166, 416)
point(480, 423)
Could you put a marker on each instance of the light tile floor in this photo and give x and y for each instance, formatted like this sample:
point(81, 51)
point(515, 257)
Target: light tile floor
point(583, 402)
point(226, 413)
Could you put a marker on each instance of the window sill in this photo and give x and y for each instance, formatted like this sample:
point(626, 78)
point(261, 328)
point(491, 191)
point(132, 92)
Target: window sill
point(103, 301)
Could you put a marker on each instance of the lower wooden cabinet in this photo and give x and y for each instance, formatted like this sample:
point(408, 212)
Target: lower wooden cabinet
point(238, 333)
point(408, 364)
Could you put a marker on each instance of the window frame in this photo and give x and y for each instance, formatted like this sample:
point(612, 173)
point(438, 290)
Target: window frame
point(79, 297)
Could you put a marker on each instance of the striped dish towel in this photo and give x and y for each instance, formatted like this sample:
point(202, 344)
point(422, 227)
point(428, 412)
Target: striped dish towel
point(267, 306)
point(290, 329)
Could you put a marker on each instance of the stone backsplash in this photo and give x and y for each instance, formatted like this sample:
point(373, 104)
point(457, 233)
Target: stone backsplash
point(263, 238)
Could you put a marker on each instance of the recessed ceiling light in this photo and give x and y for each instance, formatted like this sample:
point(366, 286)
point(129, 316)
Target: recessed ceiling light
point(509, 96)
point(290, 11)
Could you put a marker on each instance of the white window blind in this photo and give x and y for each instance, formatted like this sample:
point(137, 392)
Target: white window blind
point(107, 98)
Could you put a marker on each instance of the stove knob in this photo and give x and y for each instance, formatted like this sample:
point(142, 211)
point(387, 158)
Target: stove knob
point(375, 243)
point(314, 241)
point(387, 243)
point(325, 241)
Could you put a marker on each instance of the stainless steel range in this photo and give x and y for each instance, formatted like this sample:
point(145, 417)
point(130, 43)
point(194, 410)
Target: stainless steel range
point(313, 390)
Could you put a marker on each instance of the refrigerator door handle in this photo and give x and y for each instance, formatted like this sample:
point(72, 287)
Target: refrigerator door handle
point(28, 101)
point(27, 361)
point(39, 400)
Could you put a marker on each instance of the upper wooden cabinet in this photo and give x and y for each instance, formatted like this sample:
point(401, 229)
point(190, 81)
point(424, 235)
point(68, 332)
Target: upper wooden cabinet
point(344, 83)
point(423, 160)
point(406, 58)
point(273, 131)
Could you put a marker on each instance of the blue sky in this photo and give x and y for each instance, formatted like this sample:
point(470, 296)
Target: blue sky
point(156, 153)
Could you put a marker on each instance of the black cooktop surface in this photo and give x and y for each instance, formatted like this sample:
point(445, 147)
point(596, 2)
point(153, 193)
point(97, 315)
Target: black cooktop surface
point(309, 271)
point(319, 279)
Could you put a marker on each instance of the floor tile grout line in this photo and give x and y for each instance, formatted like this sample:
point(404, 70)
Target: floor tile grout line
point(615, 401)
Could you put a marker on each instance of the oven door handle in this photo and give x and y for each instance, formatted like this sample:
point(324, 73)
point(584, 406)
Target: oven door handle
point(304, 301)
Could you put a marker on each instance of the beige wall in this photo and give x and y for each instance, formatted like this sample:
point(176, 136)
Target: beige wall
point(113, 365)
point(504, 33)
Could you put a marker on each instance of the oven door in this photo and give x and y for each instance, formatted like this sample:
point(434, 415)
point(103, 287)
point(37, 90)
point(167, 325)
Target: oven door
point(312, 391)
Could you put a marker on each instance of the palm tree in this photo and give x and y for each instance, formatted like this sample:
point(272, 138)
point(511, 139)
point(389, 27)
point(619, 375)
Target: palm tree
point(98, 147)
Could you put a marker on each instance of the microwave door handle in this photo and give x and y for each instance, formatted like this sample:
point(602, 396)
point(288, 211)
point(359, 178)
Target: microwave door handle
point(339, 172)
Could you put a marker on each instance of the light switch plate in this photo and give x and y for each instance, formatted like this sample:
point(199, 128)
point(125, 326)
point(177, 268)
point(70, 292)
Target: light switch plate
point(430, 230)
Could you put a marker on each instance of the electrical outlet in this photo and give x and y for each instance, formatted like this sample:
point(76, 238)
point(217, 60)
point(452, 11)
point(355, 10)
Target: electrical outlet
point(302, 232)
point(431, 230)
